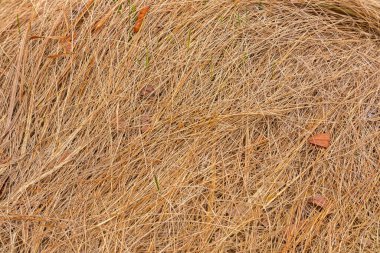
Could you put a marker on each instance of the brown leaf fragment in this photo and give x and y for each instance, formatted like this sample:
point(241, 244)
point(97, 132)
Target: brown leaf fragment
point(64, 156)
point(140, 18)
point(34, 37)
point(147, 91)
point(318, 200)
point(321, 140)
point(55, 56)
point(145, 123)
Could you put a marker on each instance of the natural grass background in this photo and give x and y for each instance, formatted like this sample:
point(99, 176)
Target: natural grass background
point(216, 158)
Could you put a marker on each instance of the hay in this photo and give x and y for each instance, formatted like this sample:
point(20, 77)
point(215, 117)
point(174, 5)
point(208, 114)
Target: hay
point(190, 135)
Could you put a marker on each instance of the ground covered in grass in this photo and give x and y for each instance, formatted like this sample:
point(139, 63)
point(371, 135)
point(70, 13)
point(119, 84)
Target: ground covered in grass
point(189, 126)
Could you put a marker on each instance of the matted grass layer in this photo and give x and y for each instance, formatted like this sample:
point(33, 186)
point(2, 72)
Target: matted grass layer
point(190, 135)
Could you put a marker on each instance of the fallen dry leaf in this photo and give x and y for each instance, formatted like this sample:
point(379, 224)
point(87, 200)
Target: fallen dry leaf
point(54, 56)
point(147, 91)
point(64, 156)
point(145, 121)
point(321, 140)
point(318, 200)
point(34, 37)
point(140, 19)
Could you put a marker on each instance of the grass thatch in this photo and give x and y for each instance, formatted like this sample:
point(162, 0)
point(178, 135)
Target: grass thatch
point(190, 135)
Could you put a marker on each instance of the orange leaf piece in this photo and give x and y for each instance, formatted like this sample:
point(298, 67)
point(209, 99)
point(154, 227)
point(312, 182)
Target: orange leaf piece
point(318, 200)
point(321, 140)
point(140, 18)
point(33, 37)
point(54, 56)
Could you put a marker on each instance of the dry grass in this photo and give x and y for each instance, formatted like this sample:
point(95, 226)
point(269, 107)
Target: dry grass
point(190, 135)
